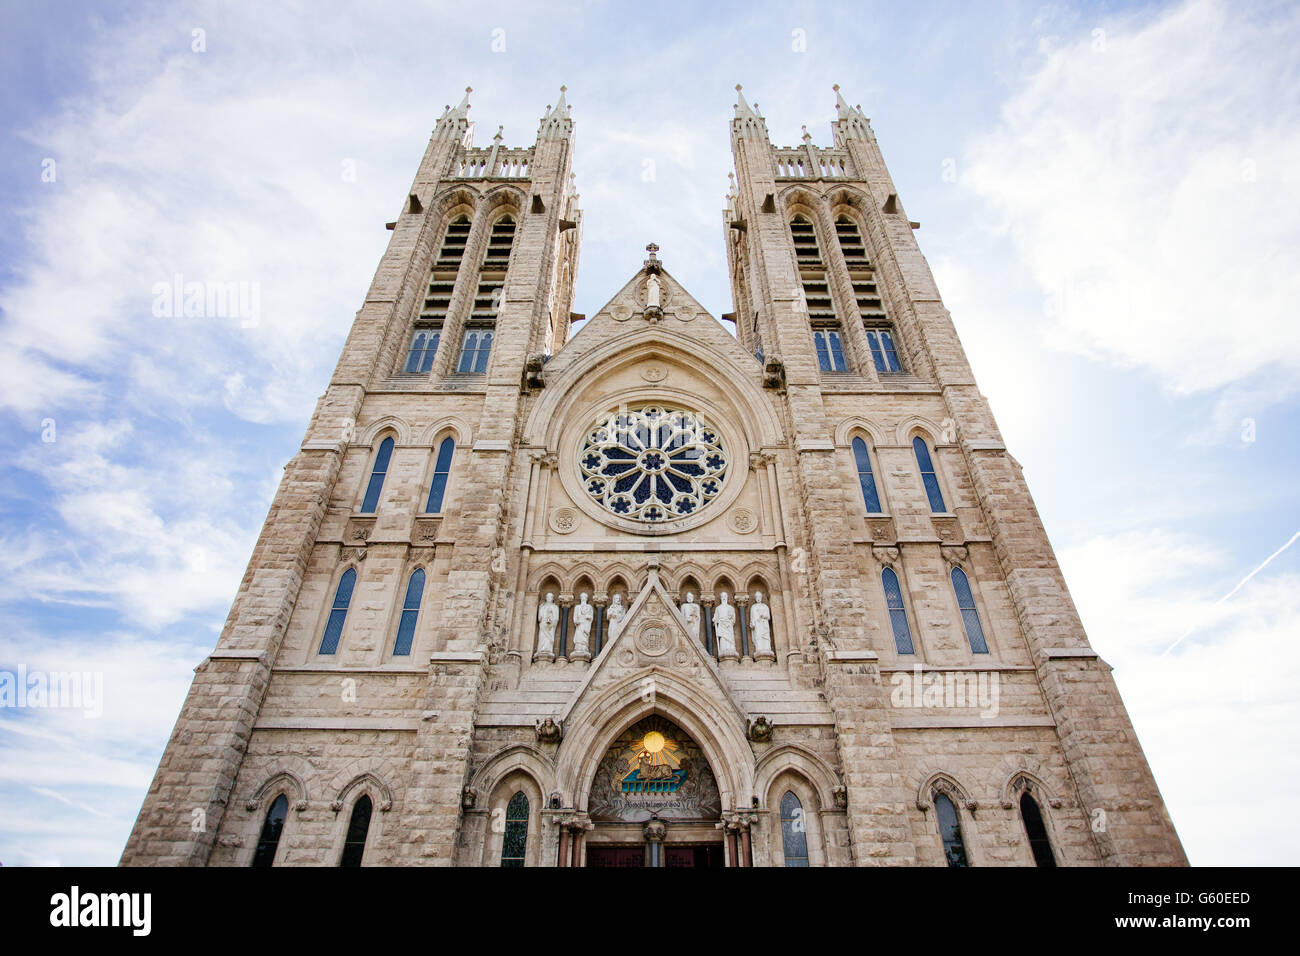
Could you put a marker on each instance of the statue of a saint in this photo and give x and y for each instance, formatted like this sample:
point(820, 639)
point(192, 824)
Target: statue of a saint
point(724, 622)
point(691, 616)
point(652, 292)
point(548, 616)
point(583, 614)
point(760, 627)
point(614, 616)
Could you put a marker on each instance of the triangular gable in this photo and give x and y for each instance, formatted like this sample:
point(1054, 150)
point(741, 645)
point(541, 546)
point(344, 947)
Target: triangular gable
point(653, 638)
point(681, 315)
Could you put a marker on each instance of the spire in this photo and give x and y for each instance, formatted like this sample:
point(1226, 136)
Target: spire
point(742, 108)
point(556, 122)
point(850, 121)
point(462, 109)
point(455, 122)
point(747, 120)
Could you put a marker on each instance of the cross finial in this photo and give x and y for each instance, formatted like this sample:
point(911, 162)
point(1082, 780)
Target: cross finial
point(652, 249)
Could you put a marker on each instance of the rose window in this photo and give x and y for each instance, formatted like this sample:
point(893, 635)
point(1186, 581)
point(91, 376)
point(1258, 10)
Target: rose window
point(653, 463)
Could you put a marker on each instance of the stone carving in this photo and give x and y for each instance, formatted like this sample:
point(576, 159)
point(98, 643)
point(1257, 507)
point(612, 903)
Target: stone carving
point(773, 373)
point(468, 797)
point(548, 616)
point(583, 615)
point(742, 521)
point(548, 731)
point(760, 730)
point(691, 616)
point(621, 312)
point(652, 292)
point(724, 622)
point(564, 520)
point(955, 555)
point(653, 639)
point(654, 373)
point(841, 797)
point(655, 830)
point(760, 628)
point(614, 617)
point(533, 371)
point(885, 556)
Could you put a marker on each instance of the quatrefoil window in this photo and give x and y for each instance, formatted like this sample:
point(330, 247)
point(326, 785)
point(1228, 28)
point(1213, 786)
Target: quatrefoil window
point(653, 463)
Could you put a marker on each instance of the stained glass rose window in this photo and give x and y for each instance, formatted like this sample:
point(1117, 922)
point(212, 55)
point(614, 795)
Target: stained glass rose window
point(653, 463)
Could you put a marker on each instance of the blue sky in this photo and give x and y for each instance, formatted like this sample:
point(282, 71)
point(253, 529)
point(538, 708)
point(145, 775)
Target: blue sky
point(1109, 198)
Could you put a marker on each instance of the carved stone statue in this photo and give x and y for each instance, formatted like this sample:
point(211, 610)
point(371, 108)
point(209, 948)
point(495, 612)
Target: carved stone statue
point(614, 616)
point(724, 623)
point(583, 615)
point(760, 628)
point(548, 616)
point(652, 292)
point(691, 616)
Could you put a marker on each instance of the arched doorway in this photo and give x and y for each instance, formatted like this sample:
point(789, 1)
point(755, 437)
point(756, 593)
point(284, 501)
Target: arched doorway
point(654, 801)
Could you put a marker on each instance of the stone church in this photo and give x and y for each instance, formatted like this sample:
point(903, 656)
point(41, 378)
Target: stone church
point(672, 589)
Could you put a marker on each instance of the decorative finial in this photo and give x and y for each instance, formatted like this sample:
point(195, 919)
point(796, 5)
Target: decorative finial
point(836, 87)
point(738, 87)
point(652, 249)
point(497, 137)
point(563, 87)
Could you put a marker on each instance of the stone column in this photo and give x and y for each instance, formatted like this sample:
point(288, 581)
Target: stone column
point(598, 625)
point(742, 623)
point(563, 859)
point(655, 831)
point(706, 624)
point(562, 640)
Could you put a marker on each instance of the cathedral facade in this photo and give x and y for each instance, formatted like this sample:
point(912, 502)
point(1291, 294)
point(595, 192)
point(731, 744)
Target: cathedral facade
point(675, 589)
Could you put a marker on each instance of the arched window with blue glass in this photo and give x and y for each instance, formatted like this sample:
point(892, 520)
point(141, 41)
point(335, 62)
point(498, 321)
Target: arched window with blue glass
point(378, 472)
point(441, 475)
point(925, 464)
point(970, 616)
point(954, 847)
point(794, 831)
point(866, 478)
point(272, 828)
point(338, 612)
point(514, 846)
point(897, 611)
point(410, 614)
point(354, 843)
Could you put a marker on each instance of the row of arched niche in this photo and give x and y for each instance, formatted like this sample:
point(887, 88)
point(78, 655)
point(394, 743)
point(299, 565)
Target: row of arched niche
point(600, 591)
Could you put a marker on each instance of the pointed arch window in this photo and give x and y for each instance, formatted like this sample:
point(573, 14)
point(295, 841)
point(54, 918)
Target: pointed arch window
point(883, 353)
point(410, 614)
point(830, 350)
point(339, 612)
point(514, 846)
point(866, 480)
point(475, 351)
point(441, 475)
point(928, 478)
point(970, 616)
point(827, 334)
point(272, 827)
point(454, 242)
point(954, 848)
point(501, 240)
point(794, 831)
point(1036, 830)
point(424, 346)
point(897, 611)
point(855, 252)
point(354, 845)
point(377, 474)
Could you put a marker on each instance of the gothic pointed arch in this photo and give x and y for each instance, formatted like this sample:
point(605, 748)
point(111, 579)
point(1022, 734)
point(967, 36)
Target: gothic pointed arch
point(824, 780)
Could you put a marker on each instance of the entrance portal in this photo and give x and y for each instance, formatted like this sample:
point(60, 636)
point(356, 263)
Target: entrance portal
point(654, 801)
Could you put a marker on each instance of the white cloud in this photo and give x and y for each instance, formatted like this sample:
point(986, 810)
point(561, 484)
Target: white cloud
point(1218, 716)
point(1151, 188)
